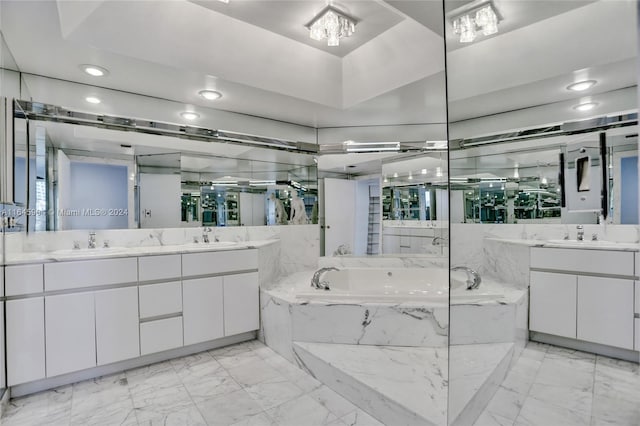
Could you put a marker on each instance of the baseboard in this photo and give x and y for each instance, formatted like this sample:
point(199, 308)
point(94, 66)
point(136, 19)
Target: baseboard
point(580, 345)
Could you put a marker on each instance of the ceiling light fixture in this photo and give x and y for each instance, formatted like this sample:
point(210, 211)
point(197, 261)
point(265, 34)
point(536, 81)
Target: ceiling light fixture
point(92, 100)
point(580, 86)
point(477, 17)
point(331, 24)
point(94, 70)
point(189, 115)
point(585, 106)
point(210, 95)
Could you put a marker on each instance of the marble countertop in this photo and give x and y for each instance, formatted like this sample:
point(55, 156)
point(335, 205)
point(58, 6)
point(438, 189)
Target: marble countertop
point(572, 244)
point(115, 252)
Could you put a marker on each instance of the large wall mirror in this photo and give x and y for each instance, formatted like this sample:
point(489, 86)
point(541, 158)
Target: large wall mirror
point(71, 177)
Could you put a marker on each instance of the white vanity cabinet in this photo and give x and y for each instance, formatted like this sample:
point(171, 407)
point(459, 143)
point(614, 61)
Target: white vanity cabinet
point(605, 311)
point(25, 340)
point(202, 309)
point(553, 303)
point(117, 331)
point(583, 294)
point(241, 294)
point(636, 344)
point(70, 333)
point(68, 316)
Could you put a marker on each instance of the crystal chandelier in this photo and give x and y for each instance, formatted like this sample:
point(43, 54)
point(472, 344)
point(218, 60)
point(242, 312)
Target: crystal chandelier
point(481, 17)
point(331, 24)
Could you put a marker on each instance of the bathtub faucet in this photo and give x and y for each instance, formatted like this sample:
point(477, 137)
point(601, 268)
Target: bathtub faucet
point(315, 281)
point(438, 241)
point(473, 277)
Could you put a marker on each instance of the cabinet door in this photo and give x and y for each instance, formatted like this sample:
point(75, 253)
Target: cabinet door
point(70, 333)
point(553, 303)
point(25, 340)
point(117, 326)
point(241, 304)
point(605, 311)
point(202, 309)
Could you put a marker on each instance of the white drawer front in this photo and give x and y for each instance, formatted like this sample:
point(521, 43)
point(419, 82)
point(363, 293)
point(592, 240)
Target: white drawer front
point(637, 340)
point(160, 299)
point(159, 267)
point(69, 275)
point(161, 335)
point(586, 261)
point(637, 309)
point(194, 264)
point(23, 279)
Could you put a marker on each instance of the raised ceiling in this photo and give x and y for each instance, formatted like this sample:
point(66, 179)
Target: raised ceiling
point(390, 72)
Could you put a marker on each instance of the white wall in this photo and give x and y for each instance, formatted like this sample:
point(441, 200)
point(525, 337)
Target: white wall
point(159, 200)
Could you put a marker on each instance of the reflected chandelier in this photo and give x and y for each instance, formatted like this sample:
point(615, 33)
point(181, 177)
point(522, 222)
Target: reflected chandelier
point(331, 24)
point(480, 17)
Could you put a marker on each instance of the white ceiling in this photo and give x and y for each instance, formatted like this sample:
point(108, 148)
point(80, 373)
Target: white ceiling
point(389, 72)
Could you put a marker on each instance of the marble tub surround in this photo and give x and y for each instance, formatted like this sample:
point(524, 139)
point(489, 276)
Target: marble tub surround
point(555, 386)
point(385, 261)
point(475, 372)
point(245, 384)
point(347, 321)
point(397, 385)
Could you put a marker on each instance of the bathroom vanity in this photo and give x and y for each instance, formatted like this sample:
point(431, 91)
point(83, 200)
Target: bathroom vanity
point(586, 296)
point(86, 314)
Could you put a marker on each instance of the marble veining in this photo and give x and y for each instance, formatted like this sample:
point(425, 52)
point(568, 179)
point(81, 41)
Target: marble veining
point(556, 386)
point(400, 385)
point(208, 388)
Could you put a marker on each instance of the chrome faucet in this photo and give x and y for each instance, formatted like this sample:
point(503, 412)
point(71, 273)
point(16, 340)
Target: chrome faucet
point(92, 240)
point(205, 235)
point(438, 241)
point(473, 277)
point(580, 235)
point(315, 281)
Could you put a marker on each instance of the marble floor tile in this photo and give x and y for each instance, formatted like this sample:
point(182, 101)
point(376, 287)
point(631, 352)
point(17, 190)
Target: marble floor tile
point(184, 416)
point(301, 411)
point(229, 408)
point(254, 372)
point(332, 401)
point(258, 420)
point(359, 418)
point(273, 392)
point(44, 408)
point(569, 388)
point(539, 413)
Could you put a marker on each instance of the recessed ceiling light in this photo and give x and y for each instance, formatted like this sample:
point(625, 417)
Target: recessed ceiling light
point(92, 100)
point(586, 106)
point(210, 95)
point(94, 70)
point(189, 115)
point(579, 86)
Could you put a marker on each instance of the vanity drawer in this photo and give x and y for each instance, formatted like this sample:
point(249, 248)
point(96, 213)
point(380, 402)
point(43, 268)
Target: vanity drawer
point(160, 299)
point(23, 279)
point(637, 342)
point(89, 273)
point(160, 335)
point(637, 292)
point(152, 268)
point(585, 261)
point(194, 264)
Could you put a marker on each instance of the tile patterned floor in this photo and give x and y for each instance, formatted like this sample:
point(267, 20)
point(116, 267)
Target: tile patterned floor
point(245, 384)
point(249, 384)
point(551, 386)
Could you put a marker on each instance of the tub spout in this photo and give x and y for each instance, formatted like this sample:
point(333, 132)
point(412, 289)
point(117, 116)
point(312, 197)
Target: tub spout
point(473, 277)
point(315, 281)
